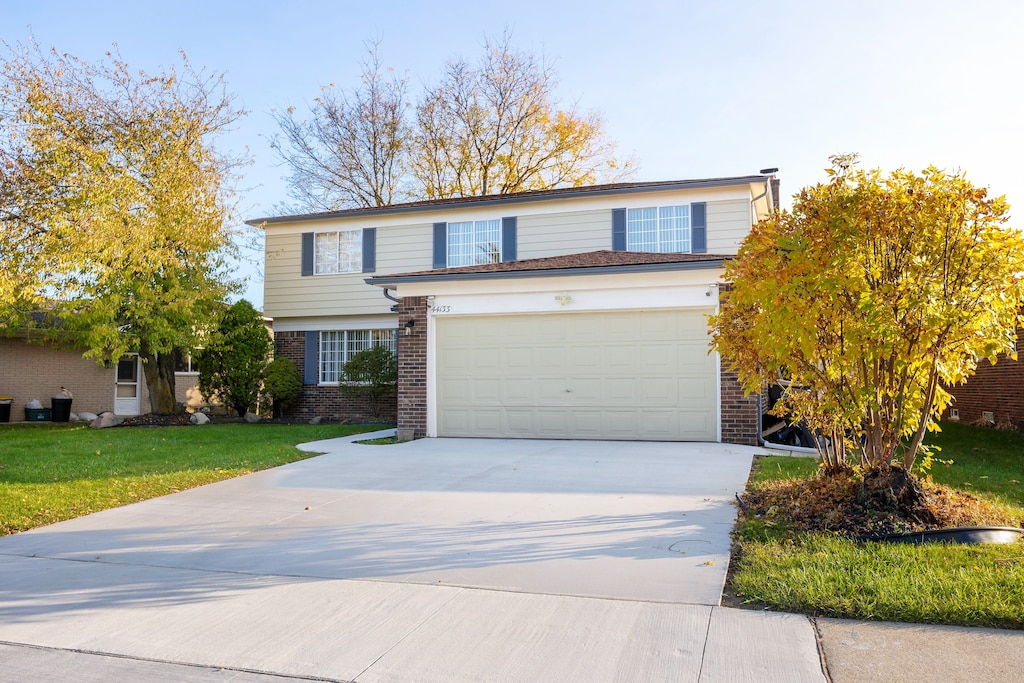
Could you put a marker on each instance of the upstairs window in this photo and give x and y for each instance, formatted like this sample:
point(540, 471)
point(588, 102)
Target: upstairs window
point(472, 243)
point(338, 252)
point(338, 346)
point(663, 229)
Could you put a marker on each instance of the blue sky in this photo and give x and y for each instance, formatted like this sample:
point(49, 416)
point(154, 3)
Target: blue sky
point(692, 89)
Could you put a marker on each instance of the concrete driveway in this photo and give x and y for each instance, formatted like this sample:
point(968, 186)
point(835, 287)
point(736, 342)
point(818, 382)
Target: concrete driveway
point(440, 559)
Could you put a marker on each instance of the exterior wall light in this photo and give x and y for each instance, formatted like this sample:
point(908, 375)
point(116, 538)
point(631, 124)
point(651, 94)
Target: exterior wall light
point(409, 324)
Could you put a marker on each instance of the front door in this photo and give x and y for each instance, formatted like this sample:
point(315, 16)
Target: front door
point(126, 393)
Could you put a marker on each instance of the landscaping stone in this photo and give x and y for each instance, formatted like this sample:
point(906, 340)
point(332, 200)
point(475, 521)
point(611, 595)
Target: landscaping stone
point(199, 419)
point(104, 420)
point(252, 418)
point(316, 420)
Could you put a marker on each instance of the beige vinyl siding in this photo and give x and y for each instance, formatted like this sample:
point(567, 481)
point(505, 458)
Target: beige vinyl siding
point(287, 294)
point(558, 234)
point(728, 225)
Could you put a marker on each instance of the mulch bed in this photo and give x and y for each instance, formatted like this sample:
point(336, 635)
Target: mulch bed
point(829, 503)
point(153, 420)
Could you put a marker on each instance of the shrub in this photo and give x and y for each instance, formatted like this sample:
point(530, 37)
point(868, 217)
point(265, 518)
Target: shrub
point(282, 382)
point(371, 374)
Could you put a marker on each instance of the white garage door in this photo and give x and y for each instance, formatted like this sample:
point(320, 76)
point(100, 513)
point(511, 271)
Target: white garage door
point(638, 375)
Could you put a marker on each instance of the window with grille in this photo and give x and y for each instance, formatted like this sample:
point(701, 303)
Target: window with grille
point(663, 229)
point(472, 243)
point(338, 252)
point(338, 346)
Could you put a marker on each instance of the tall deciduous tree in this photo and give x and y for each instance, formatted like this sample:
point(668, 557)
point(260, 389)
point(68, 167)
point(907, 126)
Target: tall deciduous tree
point(869, 296)
point(353, 149)
point(114, 205)
point(494, 126)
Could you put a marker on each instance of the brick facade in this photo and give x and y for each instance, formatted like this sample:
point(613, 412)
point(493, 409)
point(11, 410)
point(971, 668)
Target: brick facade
point(998, 389)
point(412, 368)
point(38, 371)
point(739, 412)
point(324, 400)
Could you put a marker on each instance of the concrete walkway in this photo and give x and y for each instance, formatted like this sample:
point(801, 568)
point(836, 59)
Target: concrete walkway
point(437, 560)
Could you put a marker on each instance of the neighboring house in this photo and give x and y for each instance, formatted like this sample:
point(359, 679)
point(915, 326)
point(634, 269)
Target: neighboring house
point(31, 370)
point(994, 394)
point(569, 313)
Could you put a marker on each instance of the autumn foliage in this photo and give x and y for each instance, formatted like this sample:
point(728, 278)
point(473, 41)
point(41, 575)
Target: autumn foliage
point(869, 296)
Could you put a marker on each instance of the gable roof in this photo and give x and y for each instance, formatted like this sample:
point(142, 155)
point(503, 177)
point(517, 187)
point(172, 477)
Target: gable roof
point(529, 196)
point(587, 263)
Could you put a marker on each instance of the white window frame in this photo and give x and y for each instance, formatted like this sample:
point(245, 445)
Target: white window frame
point(474, 243)
point(345, 255)
point(670, 226)
point(338, 346)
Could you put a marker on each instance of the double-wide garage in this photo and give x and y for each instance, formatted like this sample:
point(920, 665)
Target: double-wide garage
point(624, 374)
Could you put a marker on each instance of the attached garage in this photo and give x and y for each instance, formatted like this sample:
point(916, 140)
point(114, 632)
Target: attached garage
point(601, 345)
point(633, 375)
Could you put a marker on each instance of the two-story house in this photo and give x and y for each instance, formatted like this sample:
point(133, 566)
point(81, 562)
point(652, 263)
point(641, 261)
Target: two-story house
point(568, 313)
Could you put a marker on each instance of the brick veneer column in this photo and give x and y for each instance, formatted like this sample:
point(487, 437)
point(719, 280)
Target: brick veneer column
point(739, 412)
point(412, 368)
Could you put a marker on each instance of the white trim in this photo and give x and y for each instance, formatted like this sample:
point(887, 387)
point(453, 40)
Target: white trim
point(346, 322)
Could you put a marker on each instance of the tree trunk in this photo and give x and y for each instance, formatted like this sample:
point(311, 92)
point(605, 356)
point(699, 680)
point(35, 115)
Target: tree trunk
point(159, 370)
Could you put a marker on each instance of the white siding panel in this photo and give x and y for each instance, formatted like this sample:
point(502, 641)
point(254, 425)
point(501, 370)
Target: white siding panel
point(558, 234)
point(728, 225)
point(287, 294)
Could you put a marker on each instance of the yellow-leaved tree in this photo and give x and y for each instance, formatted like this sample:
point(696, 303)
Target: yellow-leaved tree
point(115, 212)
point(869, 296)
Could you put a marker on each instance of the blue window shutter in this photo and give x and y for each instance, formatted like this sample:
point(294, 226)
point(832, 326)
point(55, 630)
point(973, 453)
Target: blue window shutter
point(307, 253)
point(440, 245)
point(618, 229)
point(699, 227)
point(312, 358)
point(369, 250)
point(508, 239)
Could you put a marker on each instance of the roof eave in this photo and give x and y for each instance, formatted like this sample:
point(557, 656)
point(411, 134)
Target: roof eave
point(510, 199)
point(393, 282)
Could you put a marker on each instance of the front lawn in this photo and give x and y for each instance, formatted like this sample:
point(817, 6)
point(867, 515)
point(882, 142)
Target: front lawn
point(50, 472)
point(828, 574)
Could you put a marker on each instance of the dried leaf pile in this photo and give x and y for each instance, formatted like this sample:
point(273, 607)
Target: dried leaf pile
point(829, 503)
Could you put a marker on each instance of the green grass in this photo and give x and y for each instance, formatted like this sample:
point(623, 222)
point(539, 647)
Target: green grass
point(826, 575)
point(49, 472)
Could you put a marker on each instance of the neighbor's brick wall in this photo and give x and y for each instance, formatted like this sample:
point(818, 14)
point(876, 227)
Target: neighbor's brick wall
point(739, 412)
point(412, 366)
point(324, 400)
point(38, 371)
point(996, 388)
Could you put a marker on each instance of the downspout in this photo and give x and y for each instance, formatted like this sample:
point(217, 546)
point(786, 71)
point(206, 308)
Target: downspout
point(753, 212)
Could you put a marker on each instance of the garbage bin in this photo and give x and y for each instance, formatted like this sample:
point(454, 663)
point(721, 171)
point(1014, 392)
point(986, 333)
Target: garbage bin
point(61, 409)
point(5, 408)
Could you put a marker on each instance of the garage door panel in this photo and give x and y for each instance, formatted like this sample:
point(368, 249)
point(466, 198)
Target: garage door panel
point(520, 420)
point(630, 375)
point(519, 391)
point(485, 391)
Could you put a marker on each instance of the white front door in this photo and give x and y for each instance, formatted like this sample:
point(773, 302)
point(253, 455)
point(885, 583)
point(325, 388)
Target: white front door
point(126, 392)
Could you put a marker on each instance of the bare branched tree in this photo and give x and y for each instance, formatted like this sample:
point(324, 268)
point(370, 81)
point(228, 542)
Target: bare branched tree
point(352, 150)
point(497, 127)
point(494, 127)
